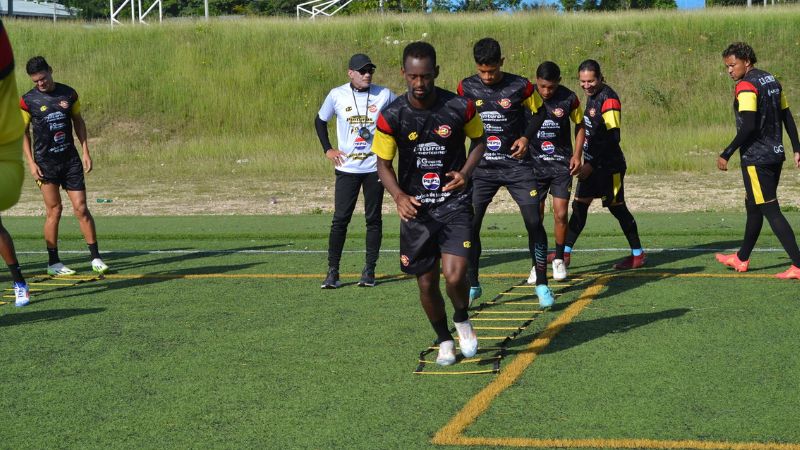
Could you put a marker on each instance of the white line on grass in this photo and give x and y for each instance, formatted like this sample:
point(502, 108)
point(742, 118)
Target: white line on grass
point(385, 250)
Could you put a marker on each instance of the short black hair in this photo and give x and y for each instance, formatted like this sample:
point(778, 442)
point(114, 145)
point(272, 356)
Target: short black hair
point(37, 64)
point(741, 51)
point(591, 65)
point(487, 52)
point(549, 71)
point(419, 50)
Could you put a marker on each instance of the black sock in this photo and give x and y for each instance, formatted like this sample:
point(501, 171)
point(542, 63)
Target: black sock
point(94, 251)
point(461, 315)
point(628, 224)
point(16, 273)
point(52, 256)
point(559, 251)
point(752, 228)
point(782, 229)
point(442, 332)
point(576, 222)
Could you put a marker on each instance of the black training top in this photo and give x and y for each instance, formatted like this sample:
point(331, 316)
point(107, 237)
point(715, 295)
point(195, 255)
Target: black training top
point(50, 114)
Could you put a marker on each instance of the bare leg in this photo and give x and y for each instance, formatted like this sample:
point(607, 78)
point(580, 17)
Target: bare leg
point(85, 219)
point(53, 208)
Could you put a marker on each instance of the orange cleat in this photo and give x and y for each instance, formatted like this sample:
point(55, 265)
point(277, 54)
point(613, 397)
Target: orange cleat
point(793, 272)
point(552, 255)
point(631, 262)
point(733, 262)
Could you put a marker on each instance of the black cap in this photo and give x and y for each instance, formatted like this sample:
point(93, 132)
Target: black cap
point(359, 61)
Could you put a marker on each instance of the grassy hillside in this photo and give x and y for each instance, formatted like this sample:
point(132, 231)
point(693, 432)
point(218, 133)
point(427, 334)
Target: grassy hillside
point(190, 99)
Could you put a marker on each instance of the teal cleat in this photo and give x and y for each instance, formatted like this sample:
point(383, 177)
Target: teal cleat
point(475, 293)
point(545, 295)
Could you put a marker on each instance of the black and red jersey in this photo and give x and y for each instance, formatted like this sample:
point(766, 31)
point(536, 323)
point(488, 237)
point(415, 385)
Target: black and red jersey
point(429, 143)
point(760, 92)
point(50, 115)
point(552, 147)
point(602, 115)
point(502, 108)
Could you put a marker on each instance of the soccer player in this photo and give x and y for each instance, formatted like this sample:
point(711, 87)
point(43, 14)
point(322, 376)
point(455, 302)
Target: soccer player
point(53, 110)
point(356, 105)
point(761, 111)
point(553, 159)
point(12, 171)
point(502, 100)
point(426, 128)
point(602, 174)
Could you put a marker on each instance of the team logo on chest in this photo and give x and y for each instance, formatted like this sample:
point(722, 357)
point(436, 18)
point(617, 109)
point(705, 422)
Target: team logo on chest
point(592, 112)
point(558, 112)
point(43, 108)
point(493, 143)
point(548, 147)
point(444, 131)
point(373, 108)
point(348, 109)
point(412, 136)
point(430, 181)
point(505, 103)
point(478, 102)
point(64, 104)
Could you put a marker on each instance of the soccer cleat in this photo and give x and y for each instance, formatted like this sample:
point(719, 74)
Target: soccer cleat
point(793, 272)
point(332, 279)
point(98, 266)
point(733, 261)
point(447, 353)
point(22, 294)
point(367, 278)
point(475, 293)
point(631, 262)
point(532, 276)
point(545, 295)
point(467, 339)
point(552, 255)
point(559, 270)
point(59, 269)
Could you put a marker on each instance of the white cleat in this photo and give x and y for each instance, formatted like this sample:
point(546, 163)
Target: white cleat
point(532, 276)
point(22, 294)
point(467, 339)
point(559, 270)
point(59, 269)
point(447, 353)
point(99, 266)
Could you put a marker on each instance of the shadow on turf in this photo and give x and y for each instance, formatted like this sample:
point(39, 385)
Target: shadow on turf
point(7, 320)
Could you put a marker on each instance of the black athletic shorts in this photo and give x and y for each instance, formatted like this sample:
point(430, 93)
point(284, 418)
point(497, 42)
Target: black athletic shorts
point(422, 241)
point(761, 182)
point(520, 182)
point(558, 184)
point(68, 174)
point(608, 186)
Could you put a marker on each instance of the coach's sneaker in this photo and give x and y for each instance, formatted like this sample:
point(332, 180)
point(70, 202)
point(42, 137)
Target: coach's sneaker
point(552, 256)
point(545, 295)
point(447, 353)
point(532, 276)
point(332, 279)
point(631, 262)
point(467, 339)
point(59, 269)
point(559, 270)
point(98, 266)
point(22, 294)
point(733, 261)
point(793, 272)
point(475, 293)
point(367, 278)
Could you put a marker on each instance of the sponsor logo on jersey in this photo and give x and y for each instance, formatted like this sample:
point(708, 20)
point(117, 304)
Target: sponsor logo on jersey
point(429, 149)
point(558, 112)
point(533, 193)
point(430, 181)
point(43, 108)
point(64, 104)
point(55, 126)
point(548, 147)
point(505, 103)
point(373, 108)
point(348, 109)
point(59, 137)
point(359, 144)
point(493, 143)
point(467, 244)
point(492, 116)
point(479, 102)
point(592, 112)
point(412, 136)
point(426, 164)
point(404, 260)
point(444, 131)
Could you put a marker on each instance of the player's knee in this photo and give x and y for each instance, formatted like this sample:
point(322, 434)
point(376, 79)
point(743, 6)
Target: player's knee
point(54, 210)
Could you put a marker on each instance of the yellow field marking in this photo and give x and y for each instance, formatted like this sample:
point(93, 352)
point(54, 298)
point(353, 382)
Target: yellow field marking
point(496, 328)
point(551, 285)
point(4, 303)
point(36, 283)
point(472, 360)
point(30, 290)
point(502, 319)
point(469, 372)
point(520, 311)
point(436, 347)
point(511, 302)
point(452, 432)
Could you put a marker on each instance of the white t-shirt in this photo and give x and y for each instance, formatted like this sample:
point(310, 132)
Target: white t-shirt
point(353, 111)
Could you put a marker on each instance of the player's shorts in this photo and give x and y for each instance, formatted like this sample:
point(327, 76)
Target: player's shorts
point(67, 174)
point(422, 242)
point(12, 172)
point(559, 185)
point(519, 181)
point(761, 182)
point(605, 185)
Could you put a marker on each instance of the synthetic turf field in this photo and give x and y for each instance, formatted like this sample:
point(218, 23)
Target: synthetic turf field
point(213, 332)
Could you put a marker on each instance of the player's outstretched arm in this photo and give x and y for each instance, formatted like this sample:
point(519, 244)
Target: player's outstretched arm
point(406, 204)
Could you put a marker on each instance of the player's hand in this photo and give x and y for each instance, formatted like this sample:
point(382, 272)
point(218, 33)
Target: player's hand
point(406, 206)
point(457, 181)
point(797, 159)
point(722, 163)
point(337, 157)
point(519, 148)
point(574, 166)
point(87, 163)
point(585, 171)
point(36, 171)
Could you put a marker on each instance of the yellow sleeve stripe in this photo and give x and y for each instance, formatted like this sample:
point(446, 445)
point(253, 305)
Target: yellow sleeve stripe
point(76, 107)
point(612, 119)
point(474, 128)
point(26, 117)
point(384, 145)
point(784, 102)
point(747, 101)
point(577, 115)
point(534, 102)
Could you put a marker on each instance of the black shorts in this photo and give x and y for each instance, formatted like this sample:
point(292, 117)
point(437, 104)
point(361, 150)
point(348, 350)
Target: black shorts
point(608, 186)
point(67, 174)
point(520, 182)
point(761, 182)
point(422, 242)
point(559, 185)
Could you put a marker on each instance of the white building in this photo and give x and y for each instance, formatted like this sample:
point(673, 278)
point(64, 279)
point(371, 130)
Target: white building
point(33, 8)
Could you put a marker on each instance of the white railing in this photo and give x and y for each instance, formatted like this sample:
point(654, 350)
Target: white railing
point(326, 8)
point(116, 11)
